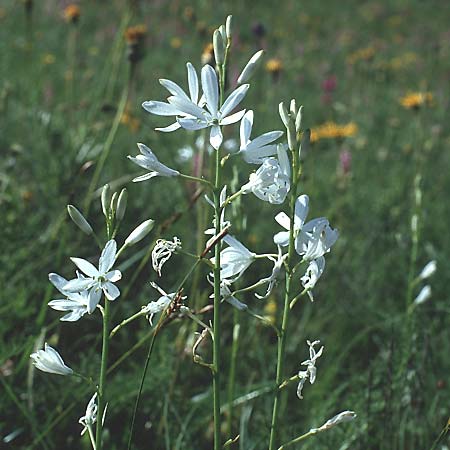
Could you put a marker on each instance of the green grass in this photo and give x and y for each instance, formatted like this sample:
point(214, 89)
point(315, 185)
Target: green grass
point(52, 131)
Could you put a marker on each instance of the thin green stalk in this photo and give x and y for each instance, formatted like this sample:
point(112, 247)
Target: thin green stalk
point(232, 375)
point(102, 382)
point(287, 295)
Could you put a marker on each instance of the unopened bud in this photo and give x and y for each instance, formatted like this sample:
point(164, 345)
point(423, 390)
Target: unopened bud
point(79, 220)
point(423, 296)
point(228, 24)
point(250, 67)
point(284, 114)
point(121, 204)
point(304, 145)
point(219, 47)
point(140, 232)
point(298, 120)
point(106, 195)
point(113, 202)
point(428, 270)
point(291, 137)
point(293, 107)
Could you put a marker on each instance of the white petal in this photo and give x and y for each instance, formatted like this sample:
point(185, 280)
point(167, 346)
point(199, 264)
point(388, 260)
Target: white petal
point(246, 128)
point(86, 267)
point(192, 124)
point(111, 290)
point(210, 87)
point(173, 88)
point(233, 100)
point(283, 219)
point(58, 281)
point(216, 137)
point(282, 238)
point(94, 297)
point(78, 284)
point(172, 127)
point(233, 118)
point(266, 138)
point(193, 82)
point(114, 275)
point(301, 211)
point(108, 256)
point(186, 107)
point(160, 108)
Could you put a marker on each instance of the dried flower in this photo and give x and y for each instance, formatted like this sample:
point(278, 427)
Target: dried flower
point(162, 251)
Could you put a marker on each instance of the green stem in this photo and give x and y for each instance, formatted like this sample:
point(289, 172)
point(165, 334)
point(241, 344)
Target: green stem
point(126, 322)
point(196, 179)
point(297, 439)
point(102, 384)
point(287, 295)
point(232, 375)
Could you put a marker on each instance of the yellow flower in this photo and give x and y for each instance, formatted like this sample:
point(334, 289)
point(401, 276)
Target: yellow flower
point(414, 100)
point(331, 130)
point(270, 310)
point(274, 66)
point(72, 13)
point(135, 35)
point(175, 42)
point(48, 59)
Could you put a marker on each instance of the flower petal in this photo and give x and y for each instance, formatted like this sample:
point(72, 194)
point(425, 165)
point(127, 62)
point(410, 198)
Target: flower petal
point(160, 108)
point(301, 211)
point(246, 128)
point(94, 297)
point(78, 284)
point(172, 127)
point(193, 82)
point(210, 87)
point(192, 124)
point(86, 267)
point(186, 107)
point(111, 290)
point(216, 137)
point(233, 118)
point(108, 256)
point(114, 275)
point(283, 220)
point(58, 281)
point(173, 88)
point(233, 100)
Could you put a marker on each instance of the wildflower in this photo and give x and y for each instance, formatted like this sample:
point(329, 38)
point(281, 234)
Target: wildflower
point(344, 416)
point(135, 34)
point(159, 305)
point(310, 372)
point(423, 295)
point(90, 417)
point(331, 130)
point(72, 13)
point(97, 280)
point(49, 360)
point(207, 56)
point(274, 276)
point(256, 150)
point(213, 116)
point(149, 161)
point(274, 66)
point(140, 232)
point(271, 182)
point(234, 260)
point(162, 251)
point(428, 270)
point(79, 220)
point(313, 273)
point(250, 67)
point(75, 302)
point(415, 100)
point(226, 294)
point(165, 109)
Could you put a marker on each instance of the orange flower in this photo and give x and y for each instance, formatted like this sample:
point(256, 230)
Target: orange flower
point(274, 66)
point(135, 35)
point(414, 100)
point(72, 13)
point(208, 54)
point(331, 130)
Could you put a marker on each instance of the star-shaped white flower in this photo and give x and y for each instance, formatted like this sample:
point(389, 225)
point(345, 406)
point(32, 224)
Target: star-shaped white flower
point(49, 360)
point(257, 150)
point(97, 280)
point(75, 302)
point(149, 161)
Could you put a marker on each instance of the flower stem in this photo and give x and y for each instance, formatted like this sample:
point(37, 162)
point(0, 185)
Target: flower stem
point(102, 383)
point(287, 294)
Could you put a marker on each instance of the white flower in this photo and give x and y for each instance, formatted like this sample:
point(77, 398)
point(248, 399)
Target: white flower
point(275, 275)
point(226, 294)
point(75, 302)
point(313, 273)
point(196, 118)
point(250, 67)
point(223, 223)
point(310, 372)
point(428, 270)
point(256, 151)
point(344, 416)
point(423, 296)
point(159, 305)
point(90, 417)
point(162, 251)
point(312, 239)
point(234, 260)
point(149, 161)
point(97, 280)
point(49, 360)
point(166, 109)
point(271, 182)
point(140, 232)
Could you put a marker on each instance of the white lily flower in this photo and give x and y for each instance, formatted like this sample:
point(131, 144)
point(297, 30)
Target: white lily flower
point(423, 296)
point(313, 273)
point(234, 260)
point(271, 182)
point(344, 416)
point(97, 280)
point(212, 116)
point(159, 305)
point(90, 417)
point(75, 302)
point(257, 150)
point(149, 161)
point(49, 360)
point(166, 109)
point(162, 251)
point(312, 239)
point(273, 278)
point(428, 270)
point(310, 372)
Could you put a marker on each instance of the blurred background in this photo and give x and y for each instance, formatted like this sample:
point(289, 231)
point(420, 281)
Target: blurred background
point(373, 77)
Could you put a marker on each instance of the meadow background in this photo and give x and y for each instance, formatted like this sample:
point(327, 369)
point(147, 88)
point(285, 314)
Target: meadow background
point(69, 96)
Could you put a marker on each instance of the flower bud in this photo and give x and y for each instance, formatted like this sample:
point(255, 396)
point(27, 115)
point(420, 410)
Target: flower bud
point(291, 136)
point(293, 107)
point(223, 33)
point(121, 205)
point(298, 120)
point(219, 47)
point(113, 202)
point(228, 24)
point(250, 67)
point(79, 219)
point(106, 195)
point(423, 295)
point(428, 270)
point(284, 114)
point(140, 232)
point(304, 145)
